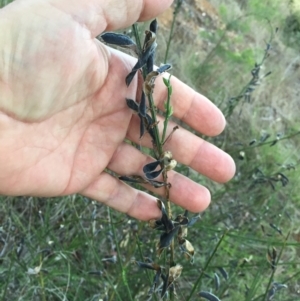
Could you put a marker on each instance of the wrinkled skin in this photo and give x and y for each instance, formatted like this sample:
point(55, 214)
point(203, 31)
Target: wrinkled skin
point(63, 115)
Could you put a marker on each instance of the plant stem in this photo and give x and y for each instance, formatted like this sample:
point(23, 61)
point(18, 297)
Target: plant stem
point(158, 144)
point(168, 112)
point(274, 269)
point(123, 270)
point(206, 265)
point(176, 10)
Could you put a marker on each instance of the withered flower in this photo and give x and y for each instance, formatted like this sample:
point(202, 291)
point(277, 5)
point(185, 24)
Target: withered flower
point(187, 248)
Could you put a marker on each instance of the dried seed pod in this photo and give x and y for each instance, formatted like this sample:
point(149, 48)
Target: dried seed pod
point(274, 288)
point(151, 166)
point(156, 225)
point(153, 174)
point(175, 272)
point(130, 76)
point(223, 273)
point(187, 248)
point(154, 283)
point(158, 184)
point(169, 226)
point(164, 68)
point(182, 232)
point(276, 228)
point(149, 170)
point(172, 164)
point(142, 106)
point(283, 179)
point(153, 26)
point(271, 257)
point(149, 82)
point(133, 179)
point(167, 155)
point(165, 240)
point(181, 220)
point(217, 281)
point(209, 296)
point(149, 266)
point(194, 220)
point(112, 259)
point(148, 50)
point(165, 279)
point(118, 39)
point(149, 43)
point(132, 104)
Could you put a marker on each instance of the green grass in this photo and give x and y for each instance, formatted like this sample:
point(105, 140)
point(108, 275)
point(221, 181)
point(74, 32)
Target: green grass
point(85, 251)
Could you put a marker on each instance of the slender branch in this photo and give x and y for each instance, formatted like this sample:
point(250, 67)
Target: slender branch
point(176, 11)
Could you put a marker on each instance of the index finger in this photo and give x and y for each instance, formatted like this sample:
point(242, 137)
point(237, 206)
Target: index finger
point(191, 107)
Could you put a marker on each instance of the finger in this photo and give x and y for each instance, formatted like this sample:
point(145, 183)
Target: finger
point(184, 192)
point(99, 16)
point(190, 150)
point(191, 107)
point(118, 195)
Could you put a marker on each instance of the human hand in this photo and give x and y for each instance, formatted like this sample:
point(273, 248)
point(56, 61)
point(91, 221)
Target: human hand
point(64, 117)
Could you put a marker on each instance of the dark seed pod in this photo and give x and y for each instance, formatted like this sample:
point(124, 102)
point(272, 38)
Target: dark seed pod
point(217, 281)
point(252, 142)
point(149, 170)
point(151, 166)
point(165, 240)
point(130, 77)
point(168, 224)
point(164, 68)
point(153, 26)
point(156, 225)
point(148, 50)
point(152, 175)
point(182, 220)
point(142, 106)
point(149, 266)
point(118, 39)
point(150, 63)
point(132, 104)
point(158, 184)
point(154, 283)
point(96, 273)
point(165, 279)
point(193, 220)
point(142, 126)
point(223, 273)
point(133, 179)
point(276, 228)
point(209, 296)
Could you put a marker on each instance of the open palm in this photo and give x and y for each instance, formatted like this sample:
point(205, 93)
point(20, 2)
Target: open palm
point(63, 113)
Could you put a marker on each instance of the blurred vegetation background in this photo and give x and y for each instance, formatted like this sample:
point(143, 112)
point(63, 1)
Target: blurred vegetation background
point(247, 243)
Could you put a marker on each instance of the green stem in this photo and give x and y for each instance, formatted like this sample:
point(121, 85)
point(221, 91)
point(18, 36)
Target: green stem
point(168, 112)
point(206, 265)
point(137, 37)
point(123, 270)
point(176, 10)
point(274, 269)
point(158, 144)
